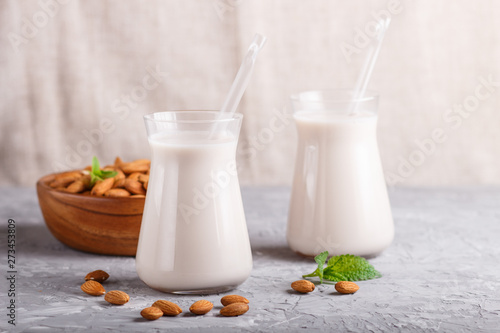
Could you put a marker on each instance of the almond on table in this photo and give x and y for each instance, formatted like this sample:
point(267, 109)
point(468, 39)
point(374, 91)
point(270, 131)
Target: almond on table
point(151, 313)
point(303, 286)
point(201, 307)
point(98, 275)
point(116, 297)
point(168, 308)
point(93, 288)
point(229, 299)
point(234, 309)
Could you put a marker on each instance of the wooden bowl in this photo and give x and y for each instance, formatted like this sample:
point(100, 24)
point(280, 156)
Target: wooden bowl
point(92, 224)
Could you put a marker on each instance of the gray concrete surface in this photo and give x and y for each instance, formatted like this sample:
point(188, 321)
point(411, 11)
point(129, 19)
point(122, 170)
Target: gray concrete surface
point(441, 274)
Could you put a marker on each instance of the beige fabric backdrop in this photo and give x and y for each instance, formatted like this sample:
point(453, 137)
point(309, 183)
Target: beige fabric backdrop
point(73, 78)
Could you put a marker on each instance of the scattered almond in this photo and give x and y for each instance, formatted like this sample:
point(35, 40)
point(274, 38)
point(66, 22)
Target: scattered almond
point(229, 299)
point(346, 287)
point(151, 313)
point(201, 307)
point(234, 309)
point(93, 288)
point(168, 308)
point(303, 286)
point(98, 275)
point(117, 192)
point(116, 297)
point(134, 186)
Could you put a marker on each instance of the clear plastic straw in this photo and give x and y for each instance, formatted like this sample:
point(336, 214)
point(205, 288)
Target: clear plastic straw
point(366, 72)
point(242, 78)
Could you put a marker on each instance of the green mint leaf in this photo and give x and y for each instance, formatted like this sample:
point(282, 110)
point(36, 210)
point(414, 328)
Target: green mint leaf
point(320, 260)
point(108, 173)
point(313, 274)
point(348, 267)
point(96, 169)
point(95, 172)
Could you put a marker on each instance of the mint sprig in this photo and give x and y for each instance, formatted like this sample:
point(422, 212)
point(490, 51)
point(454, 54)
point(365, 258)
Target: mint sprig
point(346, 267)
point(97, 174)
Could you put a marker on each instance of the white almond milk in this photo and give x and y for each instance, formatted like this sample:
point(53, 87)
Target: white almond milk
point(195, 238)
point(339, 198)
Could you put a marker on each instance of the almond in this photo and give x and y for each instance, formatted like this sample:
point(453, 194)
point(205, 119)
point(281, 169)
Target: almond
point(138, 196)
point(93, 288)
point(99, 276)
point(102, 186)
point(143, 178)
point(119, 175)
point(346, 287)
point(168, 308)
point(145, 185)
point(201, 307)
point(151, 313)
point(118, 161)
point(66, 178)
point(234, 309)
point(116, 297)
point(134, 176)
point(76, 187)
point(117, 192)
point(119, 183)
point(303, 286)
point(136, 166)
point(229, 299)
point(134, 187)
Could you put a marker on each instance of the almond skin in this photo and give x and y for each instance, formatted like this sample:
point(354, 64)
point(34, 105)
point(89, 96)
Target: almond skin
point(168, 308)
point(151, 313)
point(234, 309)
point(98, 275)
point(117, 193)
point(102, 186)
point(303, 286)
point(93, 288)
point(135, 166)
point(76, 187)
point(134, 186)
point(66, 178)
point(201, 307)
point(230, 299)
point(134, 176)
point(346, 287)
point(116, 297)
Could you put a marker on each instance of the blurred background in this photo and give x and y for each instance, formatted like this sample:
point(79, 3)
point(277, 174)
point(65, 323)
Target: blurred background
point(78, 76)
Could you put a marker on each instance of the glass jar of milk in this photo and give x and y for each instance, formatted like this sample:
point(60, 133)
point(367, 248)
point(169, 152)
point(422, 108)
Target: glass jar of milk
point(193, 236)
point(339, 199)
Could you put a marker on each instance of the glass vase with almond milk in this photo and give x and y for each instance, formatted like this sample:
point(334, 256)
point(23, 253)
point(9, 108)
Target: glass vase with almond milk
point(339, 200)
point(193, 236)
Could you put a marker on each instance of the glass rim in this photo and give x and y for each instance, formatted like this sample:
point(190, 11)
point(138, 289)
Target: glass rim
point(224, 118)
point(370, 95)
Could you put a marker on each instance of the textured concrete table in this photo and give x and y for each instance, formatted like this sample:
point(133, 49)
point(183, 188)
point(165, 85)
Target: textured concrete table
point(442, 273)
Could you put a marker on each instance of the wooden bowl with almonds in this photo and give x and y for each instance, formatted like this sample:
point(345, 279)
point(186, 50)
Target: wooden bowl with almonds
point(96, 210)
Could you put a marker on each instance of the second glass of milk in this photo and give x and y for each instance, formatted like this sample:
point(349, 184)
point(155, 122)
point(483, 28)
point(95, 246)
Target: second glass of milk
point(193, 236)
point(339, 199)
